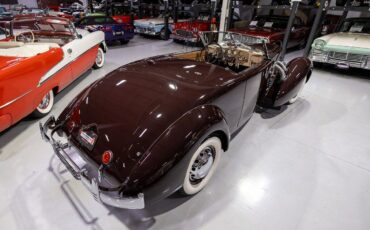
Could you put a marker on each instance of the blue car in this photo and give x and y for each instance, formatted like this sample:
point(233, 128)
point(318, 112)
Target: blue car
point(114, 31)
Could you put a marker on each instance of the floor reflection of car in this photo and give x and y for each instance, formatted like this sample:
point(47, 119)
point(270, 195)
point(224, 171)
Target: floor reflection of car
point(273, 29)
point(350, 47)
point(190, 105)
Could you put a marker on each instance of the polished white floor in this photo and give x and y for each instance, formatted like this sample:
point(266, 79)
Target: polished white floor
point(305, 167)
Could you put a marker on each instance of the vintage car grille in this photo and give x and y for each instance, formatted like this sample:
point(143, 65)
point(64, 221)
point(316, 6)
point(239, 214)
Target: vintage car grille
point(346, 56)
point(184, 33)
point(341, 58)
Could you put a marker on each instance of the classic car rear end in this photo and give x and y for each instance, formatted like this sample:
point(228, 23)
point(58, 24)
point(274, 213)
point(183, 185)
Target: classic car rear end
point(21, 95)
point(113, 30)
point(129, 156)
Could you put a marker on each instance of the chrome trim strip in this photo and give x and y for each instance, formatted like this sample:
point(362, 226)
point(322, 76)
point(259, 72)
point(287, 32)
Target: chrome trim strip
point(14, 100)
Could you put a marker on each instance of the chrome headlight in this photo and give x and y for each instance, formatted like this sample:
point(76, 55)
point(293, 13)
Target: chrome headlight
point(319, 44)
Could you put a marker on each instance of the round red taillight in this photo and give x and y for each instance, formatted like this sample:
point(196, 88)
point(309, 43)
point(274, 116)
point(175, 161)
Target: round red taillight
point(107, 157)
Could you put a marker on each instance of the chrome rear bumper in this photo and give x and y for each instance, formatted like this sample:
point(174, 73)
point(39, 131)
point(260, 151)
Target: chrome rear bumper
point(72, 159)
point(186, 39)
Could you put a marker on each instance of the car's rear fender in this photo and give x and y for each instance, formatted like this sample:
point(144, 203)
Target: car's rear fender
point(172, 152)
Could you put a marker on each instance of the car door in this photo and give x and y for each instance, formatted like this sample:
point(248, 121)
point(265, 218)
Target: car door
point(252, 84)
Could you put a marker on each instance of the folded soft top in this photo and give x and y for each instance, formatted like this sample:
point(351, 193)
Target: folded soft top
point(20, 49)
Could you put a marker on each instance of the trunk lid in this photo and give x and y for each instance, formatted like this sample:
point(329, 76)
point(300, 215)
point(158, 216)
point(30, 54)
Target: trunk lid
point(132, 106)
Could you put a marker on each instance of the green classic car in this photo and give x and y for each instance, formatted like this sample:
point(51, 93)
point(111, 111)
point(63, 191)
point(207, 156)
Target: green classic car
point(350, 47)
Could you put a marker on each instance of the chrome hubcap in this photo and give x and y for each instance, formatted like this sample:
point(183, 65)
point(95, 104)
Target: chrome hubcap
point(45, 102)
point(202, 165)
point(99, 58)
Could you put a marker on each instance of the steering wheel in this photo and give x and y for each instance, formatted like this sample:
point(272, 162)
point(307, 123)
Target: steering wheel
point(212, 59)
point(25, 37)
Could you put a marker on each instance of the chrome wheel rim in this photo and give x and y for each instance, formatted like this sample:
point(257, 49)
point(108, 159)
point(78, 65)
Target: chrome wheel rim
point(202, 165)
point(45, 102)
point(99, 58)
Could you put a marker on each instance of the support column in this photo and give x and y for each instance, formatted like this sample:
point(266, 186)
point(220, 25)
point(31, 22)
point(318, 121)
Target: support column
point(344, 15)
point(288, 30)
point(175, 10)
point(322, 10)
point(224, 20)
point(166, 19)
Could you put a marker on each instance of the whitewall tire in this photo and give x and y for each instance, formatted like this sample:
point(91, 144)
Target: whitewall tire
point(295, 98)
point(100, 59)
point(45, 105)
point(202, 165)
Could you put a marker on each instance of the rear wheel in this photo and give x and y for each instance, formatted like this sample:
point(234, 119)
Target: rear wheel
point(295, 98)
point(123, 42)
point(45, 105)
point(202, 166)
point(100, 59)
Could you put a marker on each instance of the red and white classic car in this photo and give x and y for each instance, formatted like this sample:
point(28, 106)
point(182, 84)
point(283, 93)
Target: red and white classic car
point(36, 64)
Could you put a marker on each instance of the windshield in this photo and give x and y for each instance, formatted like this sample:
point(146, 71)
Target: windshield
point(2, 10)
point(356, 26)
point(225, 37)
point(270, 22)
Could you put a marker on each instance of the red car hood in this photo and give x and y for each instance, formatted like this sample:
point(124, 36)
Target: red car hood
point(259, 32)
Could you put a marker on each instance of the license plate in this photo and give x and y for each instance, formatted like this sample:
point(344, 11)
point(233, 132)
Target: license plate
point(118, 33)
point(88, 137)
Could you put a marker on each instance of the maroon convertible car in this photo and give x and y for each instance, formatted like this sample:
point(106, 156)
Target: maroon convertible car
point(158, 125)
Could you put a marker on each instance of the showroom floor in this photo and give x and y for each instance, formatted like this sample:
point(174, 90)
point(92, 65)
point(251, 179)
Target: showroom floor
point(305, 167)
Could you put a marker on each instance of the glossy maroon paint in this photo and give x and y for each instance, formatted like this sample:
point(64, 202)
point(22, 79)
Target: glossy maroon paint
point(152, 112)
